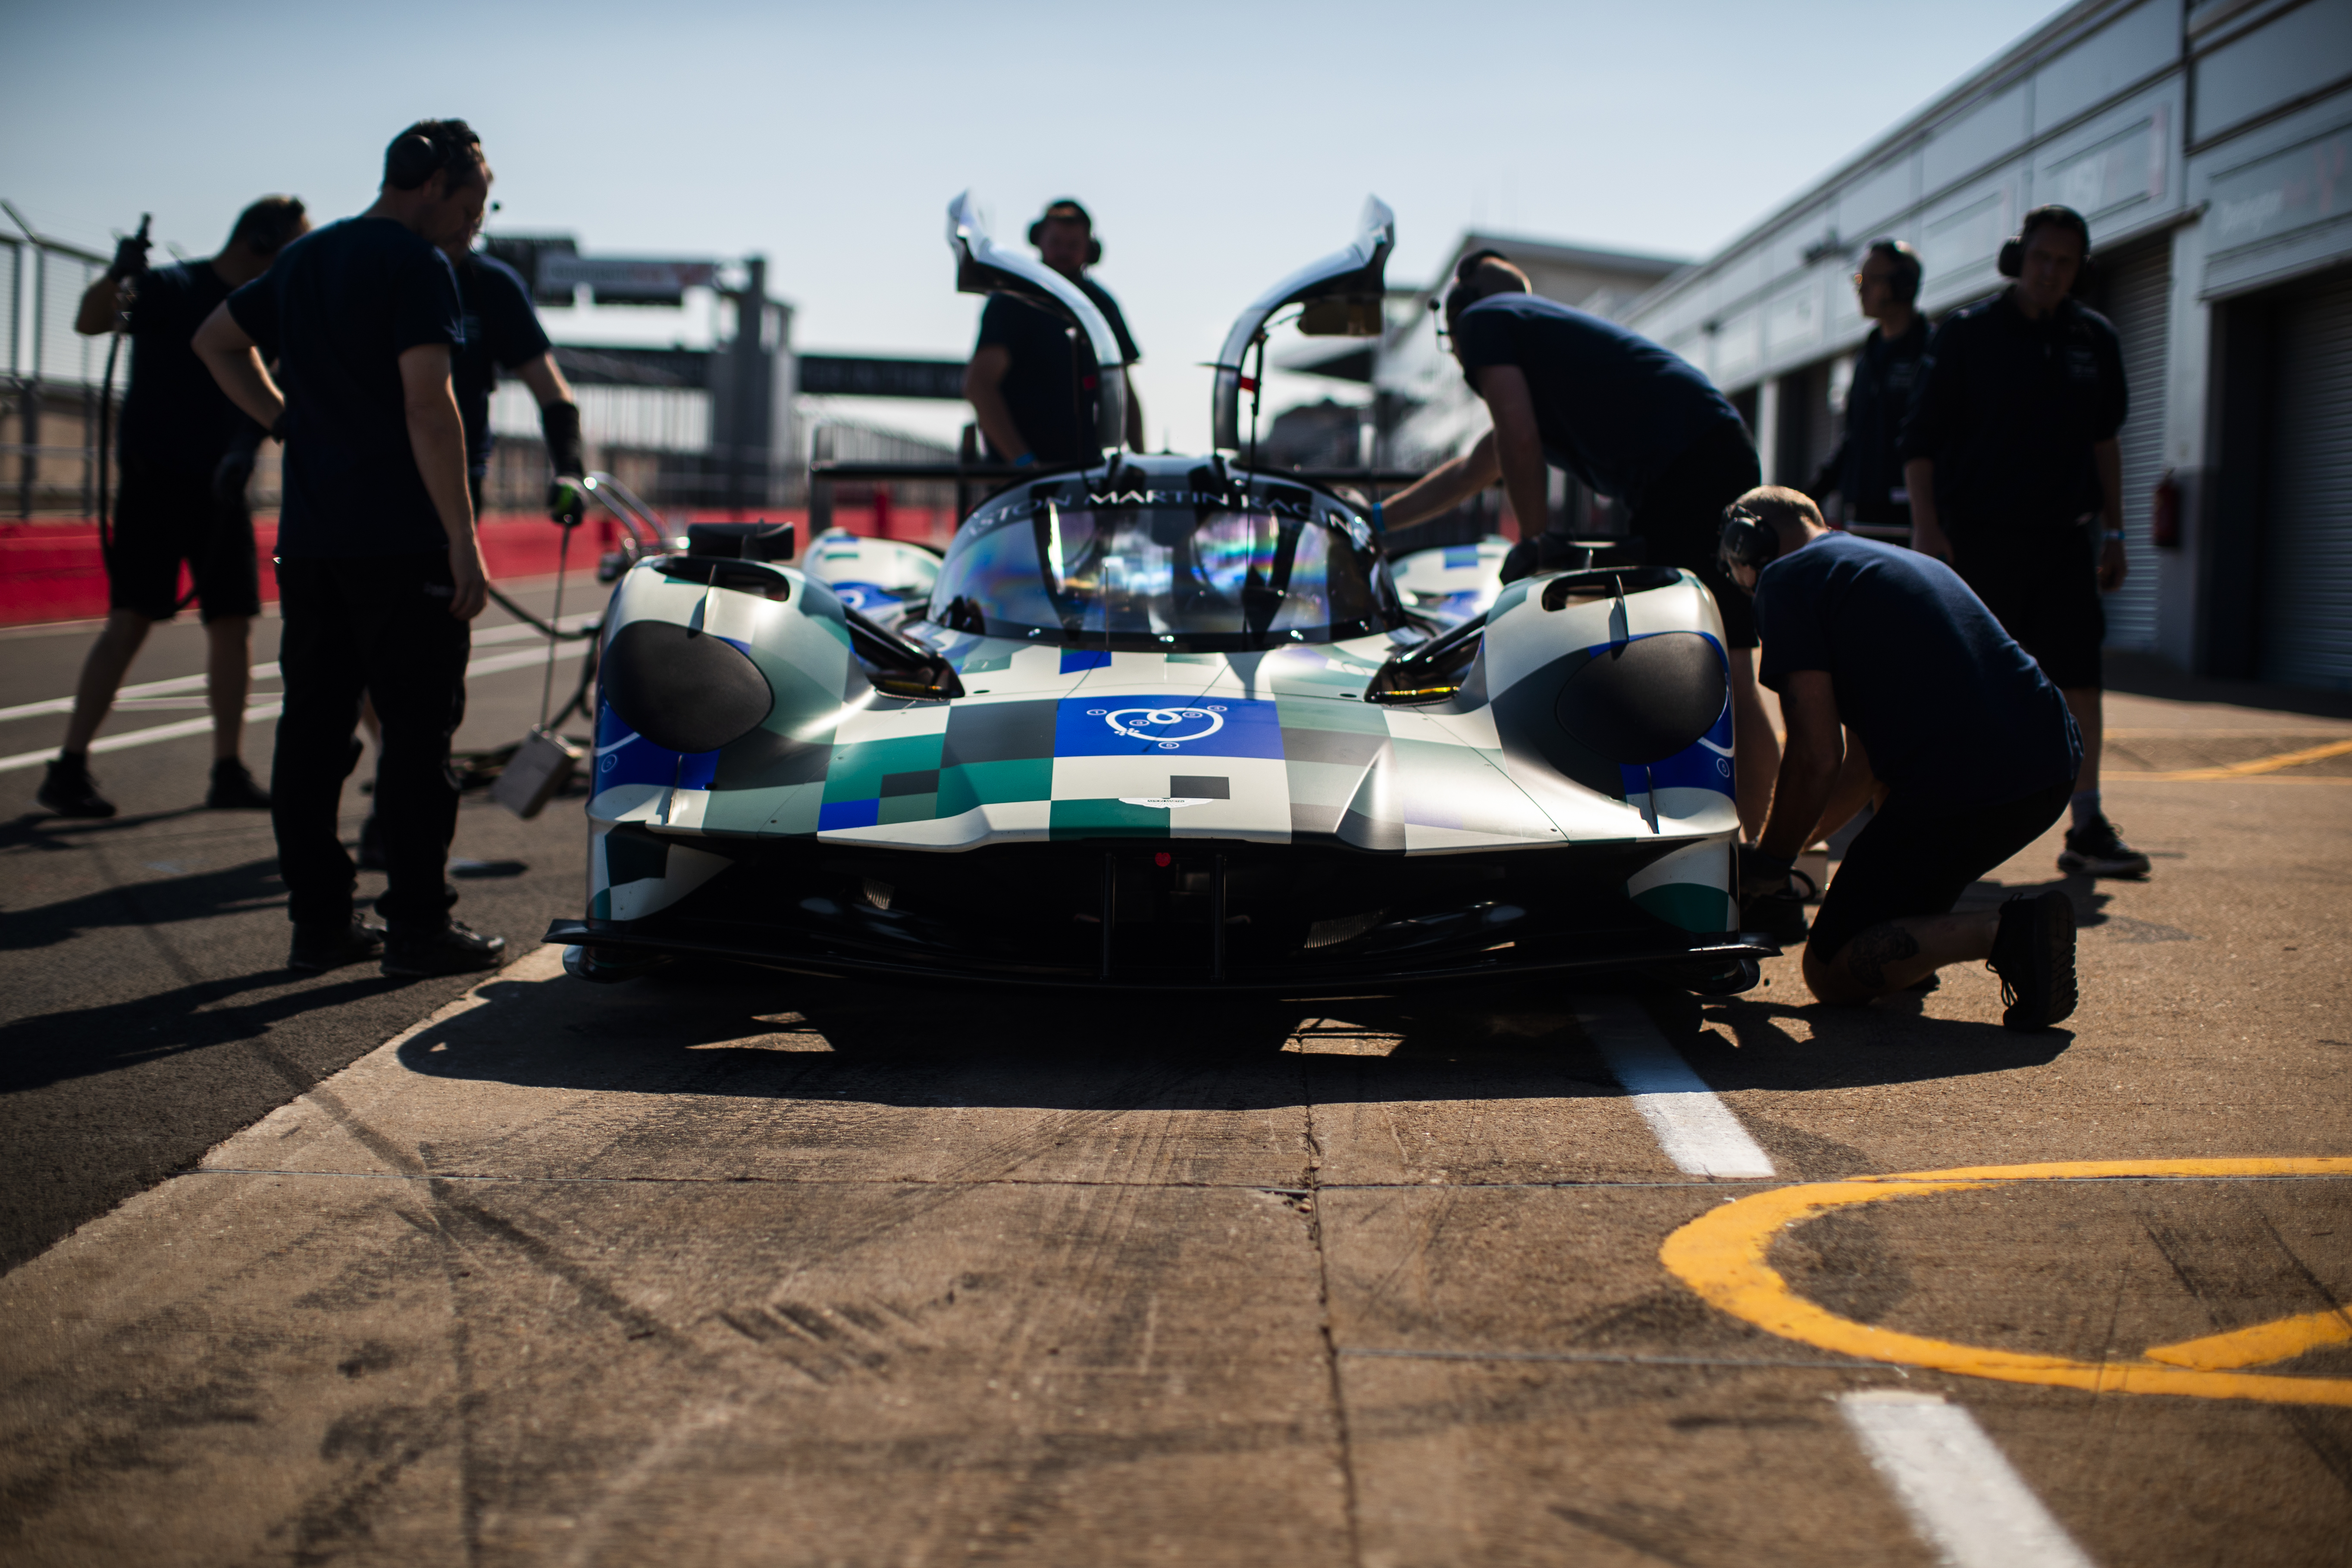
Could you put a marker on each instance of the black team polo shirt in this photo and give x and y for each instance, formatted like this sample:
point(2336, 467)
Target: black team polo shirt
point(175, 416)
point(2009, 409)
point(1612, 407)
point(502, 332)
point(1054, 412)
point(336, 310)
point(1953, 712)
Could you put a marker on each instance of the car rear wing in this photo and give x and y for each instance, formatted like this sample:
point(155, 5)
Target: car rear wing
point(982, 268)
point(1342, 294)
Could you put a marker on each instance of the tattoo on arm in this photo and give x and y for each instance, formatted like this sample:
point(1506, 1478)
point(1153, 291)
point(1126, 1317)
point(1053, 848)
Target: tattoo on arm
point(1868, 954)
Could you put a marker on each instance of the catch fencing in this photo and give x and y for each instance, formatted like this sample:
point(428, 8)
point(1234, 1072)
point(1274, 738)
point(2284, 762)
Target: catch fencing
point(50, 460)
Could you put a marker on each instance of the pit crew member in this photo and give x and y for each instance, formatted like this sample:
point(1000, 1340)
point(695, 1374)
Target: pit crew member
point(379, 570)
point(1974, 747)
point(187, 454)
point(1867, 470)
point(1629, 418)
point(2010, 458)
point(1028, 377)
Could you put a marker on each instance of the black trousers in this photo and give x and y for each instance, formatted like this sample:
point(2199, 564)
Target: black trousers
point(380, 625)
point(1912, 859)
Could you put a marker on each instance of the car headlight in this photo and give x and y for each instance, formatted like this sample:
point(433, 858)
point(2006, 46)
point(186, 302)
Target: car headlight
point(686, 690)
point(1643, 700)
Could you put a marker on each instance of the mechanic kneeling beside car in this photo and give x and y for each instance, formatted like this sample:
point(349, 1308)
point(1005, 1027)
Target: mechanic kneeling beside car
point(1975, 747)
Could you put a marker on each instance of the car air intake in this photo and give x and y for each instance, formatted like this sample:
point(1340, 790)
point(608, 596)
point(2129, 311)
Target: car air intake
point(686, 690)
point(1643, 700)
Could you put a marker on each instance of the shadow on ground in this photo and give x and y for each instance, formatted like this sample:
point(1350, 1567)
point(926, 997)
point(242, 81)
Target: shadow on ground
point(740, 1032)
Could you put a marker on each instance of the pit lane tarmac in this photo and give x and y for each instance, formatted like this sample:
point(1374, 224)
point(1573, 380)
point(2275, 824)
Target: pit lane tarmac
point(722, 1267)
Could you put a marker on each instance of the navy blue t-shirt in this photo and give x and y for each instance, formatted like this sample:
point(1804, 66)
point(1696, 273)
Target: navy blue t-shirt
point(175, 415)
point(336, 310)
point(1051, 406)
point(1951, 710)
point(502, 332)
point(1613, 408)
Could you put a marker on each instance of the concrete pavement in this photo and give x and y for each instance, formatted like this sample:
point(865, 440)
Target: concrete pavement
point(728, 1267)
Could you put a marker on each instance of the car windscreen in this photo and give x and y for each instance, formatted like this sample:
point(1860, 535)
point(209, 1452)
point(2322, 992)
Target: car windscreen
point(1203, 579)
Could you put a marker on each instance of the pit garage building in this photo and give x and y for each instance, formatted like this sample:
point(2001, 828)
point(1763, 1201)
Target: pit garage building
point(2211, 147)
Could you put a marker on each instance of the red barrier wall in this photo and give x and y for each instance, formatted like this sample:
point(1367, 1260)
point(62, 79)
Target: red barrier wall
point(52, 572)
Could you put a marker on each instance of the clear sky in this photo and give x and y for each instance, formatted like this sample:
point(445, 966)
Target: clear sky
point(1219, 144)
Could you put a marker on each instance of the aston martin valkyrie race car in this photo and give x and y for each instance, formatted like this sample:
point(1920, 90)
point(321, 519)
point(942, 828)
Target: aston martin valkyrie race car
point(1161, 721)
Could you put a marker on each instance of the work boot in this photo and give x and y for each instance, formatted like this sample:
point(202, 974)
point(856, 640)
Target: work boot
point(331, 947)
point(233, 789)
point(2097, 851)
point(69, 791)
point(371, 855)
point(2033, 953)
point(454, 949)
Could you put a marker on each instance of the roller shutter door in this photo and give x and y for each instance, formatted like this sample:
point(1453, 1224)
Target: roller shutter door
point(2138, 301)
point(2306, 596)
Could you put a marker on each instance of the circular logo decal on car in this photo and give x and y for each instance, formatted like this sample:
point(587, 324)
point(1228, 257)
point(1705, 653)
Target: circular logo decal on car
point(1170, 726)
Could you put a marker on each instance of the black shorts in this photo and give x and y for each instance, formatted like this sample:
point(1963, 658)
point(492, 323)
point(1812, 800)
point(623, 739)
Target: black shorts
point(1919, 860)
point(1680, 520)
point(2044, 589)
point(165, 516)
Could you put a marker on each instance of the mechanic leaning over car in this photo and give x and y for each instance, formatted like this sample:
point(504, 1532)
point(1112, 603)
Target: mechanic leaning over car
point(1867, 470)
point(379, 570)
point(1972, 743)
point(1030, 375)
point(187, 455)
point(2009, 455)
point(1632, 420)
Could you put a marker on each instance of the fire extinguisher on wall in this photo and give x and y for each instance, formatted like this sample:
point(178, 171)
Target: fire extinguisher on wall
point(2164, 516)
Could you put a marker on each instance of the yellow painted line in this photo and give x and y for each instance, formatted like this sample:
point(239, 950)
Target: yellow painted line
point(2260, 1345)
point(2250, 769)
point(1724, 1256)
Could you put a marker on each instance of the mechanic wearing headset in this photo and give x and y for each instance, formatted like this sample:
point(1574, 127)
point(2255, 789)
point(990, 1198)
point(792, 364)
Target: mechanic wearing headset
point(379, 570)
point(1867, 470)
point(1974, 747)
point(1629, 418)
point(2010, 457)
point(1025, 384)
point(186, 456)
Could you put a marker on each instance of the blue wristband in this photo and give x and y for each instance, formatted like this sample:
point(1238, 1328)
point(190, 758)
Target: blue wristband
point(1377, 526)
point(1025, 460)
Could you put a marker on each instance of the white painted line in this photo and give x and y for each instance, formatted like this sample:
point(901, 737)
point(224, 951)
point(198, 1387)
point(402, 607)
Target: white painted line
point(521, 658)
point(1697, 1131)
point(1964, 1497)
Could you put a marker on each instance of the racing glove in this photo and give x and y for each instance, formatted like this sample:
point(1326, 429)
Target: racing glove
point(560, 422)
point(1768, 900)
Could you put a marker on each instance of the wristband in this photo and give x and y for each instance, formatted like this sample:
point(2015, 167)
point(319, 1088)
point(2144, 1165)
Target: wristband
point(1025, 460)
point(277, 429)
point(2114, 535)
point(1378, 525)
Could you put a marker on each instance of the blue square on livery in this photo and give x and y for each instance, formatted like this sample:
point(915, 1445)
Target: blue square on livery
point(1164, 724)
point(1074, 659)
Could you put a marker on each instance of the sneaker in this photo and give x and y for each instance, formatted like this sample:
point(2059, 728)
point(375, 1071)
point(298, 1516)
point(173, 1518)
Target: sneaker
point(371, 855)
point(456, 949)
point(2097, 851)
point(233, 789)
point(2033, 953)
point(315, 952)
point(69, 791)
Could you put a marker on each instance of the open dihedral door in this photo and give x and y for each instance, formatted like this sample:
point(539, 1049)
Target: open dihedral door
point(1342, 294)
point(982, 268)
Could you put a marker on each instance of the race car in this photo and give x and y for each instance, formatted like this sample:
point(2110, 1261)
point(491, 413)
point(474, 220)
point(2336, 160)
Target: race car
point(1159, 721)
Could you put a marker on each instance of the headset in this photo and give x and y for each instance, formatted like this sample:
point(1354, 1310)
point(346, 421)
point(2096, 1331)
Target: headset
point(1068, 211)
point(1908, 273)
point(1748, 540)
point(427, 148)
point(1442, 305)
point(2011, 262)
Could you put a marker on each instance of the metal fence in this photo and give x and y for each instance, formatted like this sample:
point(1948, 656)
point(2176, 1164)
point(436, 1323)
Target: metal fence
point(50, 464)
